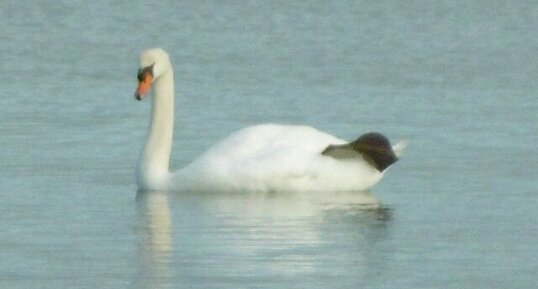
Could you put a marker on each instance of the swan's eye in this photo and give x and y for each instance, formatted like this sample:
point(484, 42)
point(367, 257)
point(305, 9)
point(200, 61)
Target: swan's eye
point(140, 75)
point(143, 71)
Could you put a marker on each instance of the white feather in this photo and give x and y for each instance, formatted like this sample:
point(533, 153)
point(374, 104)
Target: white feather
point(266, 158)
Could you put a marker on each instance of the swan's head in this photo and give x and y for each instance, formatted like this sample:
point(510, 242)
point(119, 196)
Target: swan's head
point(153, 63)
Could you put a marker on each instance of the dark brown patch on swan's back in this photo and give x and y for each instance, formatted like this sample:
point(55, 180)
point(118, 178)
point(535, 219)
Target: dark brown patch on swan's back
point(374, 147)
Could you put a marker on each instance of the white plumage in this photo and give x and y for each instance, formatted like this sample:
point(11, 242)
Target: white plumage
point(267, 158)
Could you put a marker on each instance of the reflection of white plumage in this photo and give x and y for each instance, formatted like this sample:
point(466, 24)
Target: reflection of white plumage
point(266, 157)
point(156, 244)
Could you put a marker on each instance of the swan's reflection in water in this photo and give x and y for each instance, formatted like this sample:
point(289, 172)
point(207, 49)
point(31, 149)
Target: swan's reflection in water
point(155, 239)
point(239, 239)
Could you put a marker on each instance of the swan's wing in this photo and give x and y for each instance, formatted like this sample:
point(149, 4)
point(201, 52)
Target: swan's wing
point(373, 147)
point(347, 151)
point(344, 151)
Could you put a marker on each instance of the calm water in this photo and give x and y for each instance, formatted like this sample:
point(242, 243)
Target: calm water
point(456, 79)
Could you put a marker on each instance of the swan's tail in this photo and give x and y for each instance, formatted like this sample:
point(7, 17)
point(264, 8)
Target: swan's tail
point(399, 147)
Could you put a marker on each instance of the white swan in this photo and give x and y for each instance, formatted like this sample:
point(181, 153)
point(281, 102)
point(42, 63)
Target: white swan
point(265, 158)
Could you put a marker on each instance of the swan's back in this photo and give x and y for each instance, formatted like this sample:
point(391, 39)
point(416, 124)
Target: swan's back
point(275, 158)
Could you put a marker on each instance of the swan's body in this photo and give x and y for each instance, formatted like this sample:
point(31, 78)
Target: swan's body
point(260, 158)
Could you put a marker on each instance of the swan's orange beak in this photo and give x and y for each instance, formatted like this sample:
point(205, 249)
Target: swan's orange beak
point(144, 84)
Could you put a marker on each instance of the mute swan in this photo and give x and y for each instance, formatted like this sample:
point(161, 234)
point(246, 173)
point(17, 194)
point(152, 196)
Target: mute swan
point(266, 157)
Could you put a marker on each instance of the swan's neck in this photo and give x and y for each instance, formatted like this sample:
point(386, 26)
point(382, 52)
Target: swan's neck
point(154, 162)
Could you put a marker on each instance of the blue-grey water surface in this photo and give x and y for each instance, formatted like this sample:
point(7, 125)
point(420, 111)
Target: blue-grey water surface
point(457, 79)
